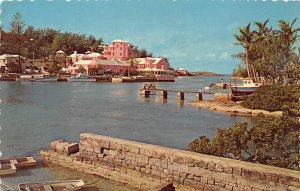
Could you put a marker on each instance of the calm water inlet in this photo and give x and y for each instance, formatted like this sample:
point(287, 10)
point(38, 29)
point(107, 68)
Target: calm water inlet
point(34, 114)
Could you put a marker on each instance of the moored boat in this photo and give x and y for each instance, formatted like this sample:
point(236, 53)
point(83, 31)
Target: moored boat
point(81, 77)
point(19, 162)
point(7, 169)
point(241, 91)
point(52, 185)
point(148, 87)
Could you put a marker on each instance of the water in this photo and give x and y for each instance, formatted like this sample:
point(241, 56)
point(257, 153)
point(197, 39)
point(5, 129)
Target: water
point(35, 113)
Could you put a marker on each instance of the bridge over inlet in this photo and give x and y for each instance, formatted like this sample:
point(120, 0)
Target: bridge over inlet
point(180, 93)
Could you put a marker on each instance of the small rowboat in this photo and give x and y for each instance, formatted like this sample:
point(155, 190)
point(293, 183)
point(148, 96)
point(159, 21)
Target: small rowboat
point(19, 162)
point(70, 185)
point(7, 169)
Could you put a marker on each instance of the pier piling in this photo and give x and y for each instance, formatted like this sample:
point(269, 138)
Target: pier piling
point(199, 96)
point(180, 95)
point(163, 94)
point(147, 93)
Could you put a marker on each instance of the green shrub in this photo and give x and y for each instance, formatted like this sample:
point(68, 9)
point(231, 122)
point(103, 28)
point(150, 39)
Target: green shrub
point(275, 98)
point(274, 141)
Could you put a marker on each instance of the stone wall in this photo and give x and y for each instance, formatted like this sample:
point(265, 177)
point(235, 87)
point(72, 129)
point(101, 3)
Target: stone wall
point(147, 166)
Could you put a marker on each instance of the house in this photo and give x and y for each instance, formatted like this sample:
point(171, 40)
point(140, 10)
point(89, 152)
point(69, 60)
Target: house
point(183, 72)
point(12, 59)
point(100, 67)
point(153, 63)
point(118, 50)
point(73, 58)
point(157, 67)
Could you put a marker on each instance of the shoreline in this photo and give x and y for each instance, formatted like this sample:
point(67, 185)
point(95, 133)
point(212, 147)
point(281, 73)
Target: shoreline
point(232, 108)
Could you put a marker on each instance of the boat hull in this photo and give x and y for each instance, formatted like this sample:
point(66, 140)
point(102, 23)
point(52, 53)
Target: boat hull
point(19, 162)
point(52, 185)
point(81, 79)
point(7, 169)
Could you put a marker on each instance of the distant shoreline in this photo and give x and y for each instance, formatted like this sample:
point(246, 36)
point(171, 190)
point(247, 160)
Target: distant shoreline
point(204, 73)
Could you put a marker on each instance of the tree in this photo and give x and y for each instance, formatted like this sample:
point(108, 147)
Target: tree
point(240, 71)
point(267, 52)
point(200, 145)
point(16, 28)
point(245, 38)
point(274, 141)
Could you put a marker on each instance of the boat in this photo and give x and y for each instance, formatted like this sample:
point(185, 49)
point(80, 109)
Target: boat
point(9, 77)
point(70, 185)
point(103, 79)
point(116, 79)
point(19, 162)
point(7, 169)
point(45, 78)
point(148, 87)
point(242, 91)
point(81, 77)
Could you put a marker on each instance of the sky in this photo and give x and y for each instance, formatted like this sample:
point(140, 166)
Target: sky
point(196, 35)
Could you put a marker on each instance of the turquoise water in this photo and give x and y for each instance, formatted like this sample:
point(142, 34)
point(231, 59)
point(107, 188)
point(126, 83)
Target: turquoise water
point(35, 113)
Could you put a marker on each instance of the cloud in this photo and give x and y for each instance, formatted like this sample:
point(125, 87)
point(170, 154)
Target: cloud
point(224, 56)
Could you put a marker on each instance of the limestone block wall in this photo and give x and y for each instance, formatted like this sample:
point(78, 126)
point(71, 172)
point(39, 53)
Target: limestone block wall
point(144, 166)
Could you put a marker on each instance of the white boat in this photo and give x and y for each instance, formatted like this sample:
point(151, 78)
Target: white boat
point(81, 77)
point(117, 79)
point(148, 87)
point(71, 185)
point(241, 91)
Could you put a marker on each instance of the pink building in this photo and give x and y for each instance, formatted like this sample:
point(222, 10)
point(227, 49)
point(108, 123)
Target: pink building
point(73, 58)
point(118, 50)
point(157, 67)
point(100, 67)
point(153, 63)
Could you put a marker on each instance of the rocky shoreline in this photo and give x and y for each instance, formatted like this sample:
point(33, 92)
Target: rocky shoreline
point(232, 108)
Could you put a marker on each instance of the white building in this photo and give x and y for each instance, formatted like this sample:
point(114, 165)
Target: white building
point(13, 59)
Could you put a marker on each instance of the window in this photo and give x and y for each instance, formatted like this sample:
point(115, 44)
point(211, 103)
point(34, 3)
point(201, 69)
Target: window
point(113, 53)
point(120, 48)
point(113, 48)
point(121, 54)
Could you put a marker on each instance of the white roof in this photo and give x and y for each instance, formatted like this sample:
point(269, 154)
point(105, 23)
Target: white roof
point(83, 62)
point(5, 56)
point(143, 60)
point(94, 54)
point(75, 54)
point(60, 52)
point(119, 40)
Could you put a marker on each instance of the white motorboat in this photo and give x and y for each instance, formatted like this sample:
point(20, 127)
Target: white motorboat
point(81, 77)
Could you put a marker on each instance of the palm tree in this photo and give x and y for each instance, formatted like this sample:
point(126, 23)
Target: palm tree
point(288, 37)
point(245, 39)
point(261, 34)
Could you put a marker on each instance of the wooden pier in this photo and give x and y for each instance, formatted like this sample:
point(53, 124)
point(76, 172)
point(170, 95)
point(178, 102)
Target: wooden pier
point(180, 93)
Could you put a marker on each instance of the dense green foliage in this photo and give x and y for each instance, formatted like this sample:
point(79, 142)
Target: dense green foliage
point(269, 53)
point(275, 98)
point(273, 141)
point(240, 71)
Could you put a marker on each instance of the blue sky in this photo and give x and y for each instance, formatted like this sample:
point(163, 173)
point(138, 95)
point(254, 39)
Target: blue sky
point(196, 35)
